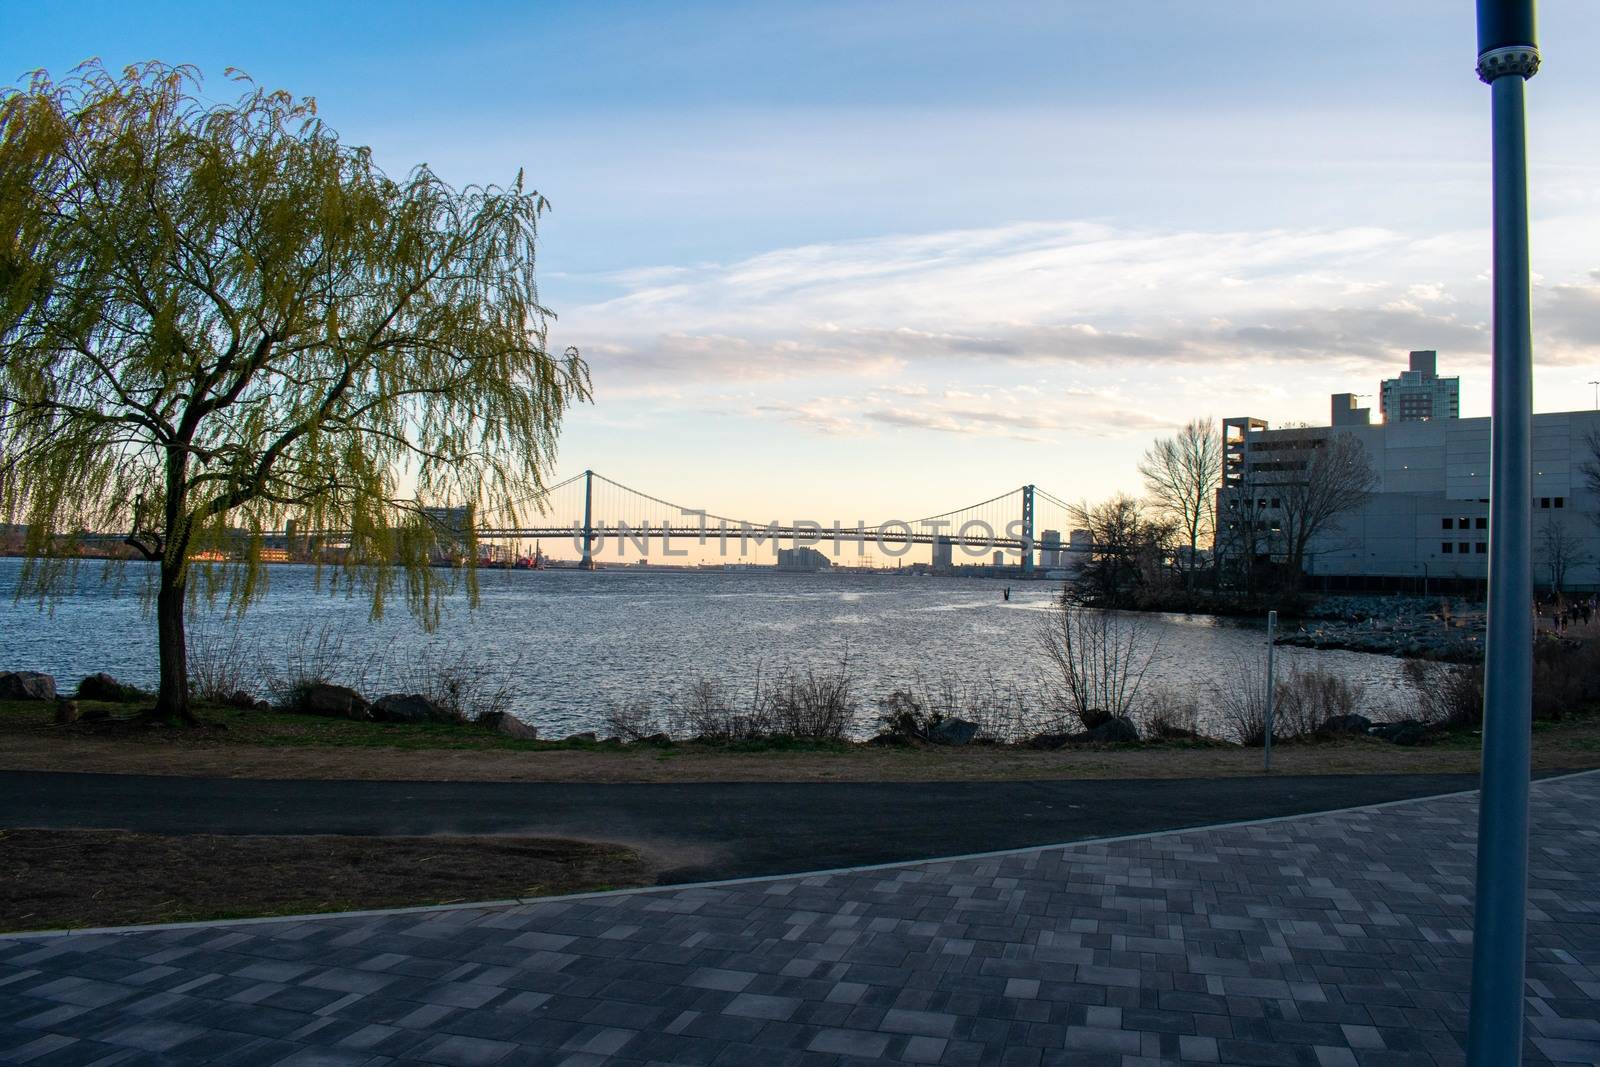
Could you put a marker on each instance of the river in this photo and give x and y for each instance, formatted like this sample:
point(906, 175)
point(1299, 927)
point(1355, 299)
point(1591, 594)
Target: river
point(567, 643)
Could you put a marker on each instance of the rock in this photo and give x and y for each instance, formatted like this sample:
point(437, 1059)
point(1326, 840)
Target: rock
point(507, 725)
point(334, 701)
point(1410, 733)
point(409, 708)
point(1405, 732)
point(104, 687)
point(66, 711)
point(1115, 730)
point(953, 732)
point(27, 685)
point(588, 738)
point(654, 739)
point(240, 699)
point(1346, 724)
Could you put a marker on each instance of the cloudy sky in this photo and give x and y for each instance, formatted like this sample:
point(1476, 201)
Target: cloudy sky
point(862, 260)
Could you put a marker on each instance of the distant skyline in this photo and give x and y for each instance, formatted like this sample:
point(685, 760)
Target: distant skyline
point(842, 260)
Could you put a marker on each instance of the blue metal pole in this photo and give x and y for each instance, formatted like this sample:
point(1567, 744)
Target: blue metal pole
point(1507, 57)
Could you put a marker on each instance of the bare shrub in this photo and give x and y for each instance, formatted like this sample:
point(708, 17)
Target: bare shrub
point(1099, 660)
point(1447, 694)
point(1307, 699)
point(465, 682)
point(815, 705)
point(905, 716)
point(221, 666)
point(1240, 697)
point(707, 708)
point(1002, 712)
point(315, 656)
point(1166, 715)
point(631, 720)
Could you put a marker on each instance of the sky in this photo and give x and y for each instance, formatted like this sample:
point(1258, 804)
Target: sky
point(870, 260)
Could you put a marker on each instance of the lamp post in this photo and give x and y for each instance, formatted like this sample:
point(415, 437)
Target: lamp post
point(1508, 55)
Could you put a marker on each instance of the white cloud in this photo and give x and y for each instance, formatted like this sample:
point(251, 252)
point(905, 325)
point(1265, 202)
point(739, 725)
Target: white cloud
point(852, 334)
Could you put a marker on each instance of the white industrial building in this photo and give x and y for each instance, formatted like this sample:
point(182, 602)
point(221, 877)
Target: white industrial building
point(1428, 515)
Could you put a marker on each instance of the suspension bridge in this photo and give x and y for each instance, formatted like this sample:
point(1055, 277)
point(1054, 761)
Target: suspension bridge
point(597, 512)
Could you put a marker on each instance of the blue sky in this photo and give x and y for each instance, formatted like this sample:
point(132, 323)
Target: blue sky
point(874, 259)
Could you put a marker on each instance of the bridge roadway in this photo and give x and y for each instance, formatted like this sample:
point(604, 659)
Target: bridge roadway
point(754, 534)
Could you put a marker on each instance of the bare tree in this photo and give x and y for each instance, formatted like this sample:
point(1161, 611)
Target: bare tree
point(1316, 479)
point(1181, 475)
point(1129, 547)
point(1560, 549)
point(1591, 468)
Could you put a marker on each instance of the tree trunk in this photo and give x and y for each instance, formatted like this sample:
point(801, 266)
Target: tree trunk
point(172, 699)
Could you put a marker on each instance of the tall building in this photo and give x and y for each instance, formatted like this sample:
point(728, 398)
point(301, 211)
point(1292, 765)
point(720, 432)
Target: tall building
point(1050, 549)
point(1427, 516)
point(1419, 394)
point(943, 553)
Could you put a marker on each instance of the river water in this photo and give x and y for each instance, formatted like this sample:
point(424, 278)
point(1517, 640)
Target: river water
point(567, 643)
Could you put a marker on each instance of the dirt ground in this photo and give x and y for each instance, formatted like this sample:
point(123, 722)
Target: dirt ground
point(1571, 745)
point(59, 879)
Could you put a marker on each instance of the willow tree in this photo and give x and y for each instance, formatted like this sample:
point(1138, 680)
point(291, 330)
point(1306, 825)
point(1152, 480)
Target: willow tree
point(215, 317)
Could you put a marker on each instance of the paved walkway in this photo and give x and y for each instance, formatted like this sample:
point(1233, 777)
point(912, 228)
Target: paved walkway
point(1325, 940)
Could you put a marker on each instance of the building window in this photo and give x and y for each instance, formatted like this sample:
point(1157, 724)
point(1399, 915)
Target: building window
point(1448, 523)
point(1463, 523)
point(1464, 548)
point(1447, 548)
point(1544, 502)
point(1482, 548)
point(1275, 502)
point(1483, 524)
point(1561, 501)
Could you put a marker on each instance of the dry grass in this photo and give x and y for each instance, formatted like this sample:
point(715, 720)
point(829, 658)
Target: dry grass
point(59, 879)
point(257, 745)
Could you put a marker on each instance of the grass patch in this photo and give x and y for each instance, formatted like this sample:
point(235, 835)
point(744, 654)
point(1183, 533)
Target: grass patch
point(62, 879)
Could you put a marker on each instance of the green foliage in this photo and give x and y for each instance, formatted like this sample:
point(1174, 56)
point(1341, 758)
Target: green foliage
point(215, 317)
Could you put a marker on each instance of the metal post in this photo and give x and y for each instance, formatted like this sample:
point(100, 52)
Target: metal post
point(588, 521)
point(1027, 531)
point(1507, 57)
point(1272, 686)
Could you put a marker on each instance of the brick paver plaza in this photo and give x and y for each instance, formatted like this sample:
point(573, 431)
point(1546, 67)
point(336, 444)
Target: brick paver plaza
point(1325, 940)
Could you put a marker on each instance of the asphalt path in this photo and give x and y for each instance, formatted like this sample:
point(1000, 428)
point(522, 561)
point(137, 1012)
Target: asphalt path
point(701, 830)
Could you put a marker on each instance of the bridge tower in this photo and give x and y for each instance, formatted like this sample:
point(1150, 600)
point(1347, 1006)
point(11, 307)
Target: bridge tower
point(587, 563)
point(1027, 531)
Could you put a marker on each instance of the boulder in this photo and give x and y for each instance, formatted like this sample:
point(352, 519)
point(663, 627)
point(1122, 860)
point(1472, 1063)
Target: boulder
point(66, 711)
point(953, 732)
point(588, 738)
point(507, 725)
point(104, 687)
point(408, 707)
point(1338, 725)
point(27, 685)
point(1410, 733)
point(1115, 730)
point(242, 700)
point(655, 739)
point(1405, 732)
point(334, 701)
